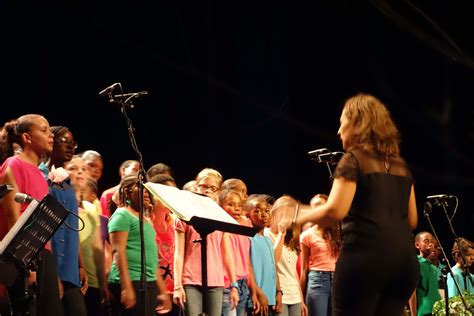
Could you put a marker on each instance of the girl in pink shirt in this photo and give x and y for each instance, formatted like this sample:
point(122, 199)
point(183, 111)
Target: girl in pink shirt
point(319, 252)
point(33, 135)
point(187, 259)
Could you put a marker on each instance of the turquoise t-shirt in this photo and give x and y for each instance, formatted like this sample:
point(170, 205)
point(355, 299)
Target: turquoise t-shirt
point(263, 265)
point(464, 283)
point(121, 221)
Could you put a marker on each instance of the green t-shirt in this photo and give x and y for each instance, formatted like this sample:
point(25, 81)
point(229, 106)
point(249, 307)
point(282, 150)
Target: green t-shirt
point(122, 220)
point(427, 290)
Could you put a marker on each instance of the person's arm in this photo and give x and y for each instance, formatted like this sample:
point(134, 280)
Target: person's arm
point(83, 277)
point(278, 295)
point(11, 208)
point(179, 296)
point(304, 255)
point(163, 299)
point(118, 241)
point(99, 260)
point(334, 210)
point(412, 303)
point(253, 288)
point(279, 241)
point(412, 216)
point(229, 266)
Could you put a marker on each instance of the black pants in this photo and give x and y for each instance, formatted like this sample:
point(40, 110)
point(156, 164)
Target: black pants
point(73, 301)
point(94, 303)
point(43, 298)
point(148, 309)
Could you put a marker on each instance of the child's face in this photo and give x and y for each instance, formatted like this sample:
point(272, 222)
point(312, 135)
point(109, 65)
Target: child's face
point(426, 244)
point(260, 215)
point(232, 204)
point(469, 256)
point(209, 186)
point(77, 172)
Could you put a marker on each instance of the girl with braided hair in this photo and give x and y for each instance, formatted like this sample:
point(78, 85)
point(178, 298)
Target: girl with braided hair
point(125, 273)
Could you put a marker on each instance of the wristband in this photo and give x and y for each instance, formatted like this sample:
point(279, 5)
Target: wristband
point(178, 287)
point(279, 291)
point(234, 285)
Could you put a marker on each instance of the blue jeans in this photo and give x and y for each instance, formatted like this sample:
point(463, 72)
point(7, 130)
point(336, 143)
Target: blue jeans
point(318, 293)
point(193, 305)
point(241, 309)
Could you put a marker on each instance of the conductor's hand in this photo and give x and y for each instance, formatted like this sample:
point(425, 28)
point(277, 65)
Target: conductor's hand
point(318, 199)
point(179, 297)
point(285, 207)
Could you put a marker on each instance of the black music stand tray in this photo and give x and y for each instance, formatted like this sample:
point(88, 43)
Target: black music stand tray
point(205, 226)
point(19, 249)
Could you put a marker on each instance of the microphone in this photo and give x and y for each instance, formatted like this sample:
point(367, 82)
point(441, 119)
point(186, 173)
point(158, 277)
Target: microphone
point(439, 197)
point(109, 89)
point(133, 94)
point(427, 208)
point(23, 198)
point(317, 152)
point(325, 155)
point(331, 157)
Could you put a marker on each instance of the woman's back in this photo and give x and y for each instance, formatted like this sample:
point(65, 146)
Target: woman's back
point(378, 214)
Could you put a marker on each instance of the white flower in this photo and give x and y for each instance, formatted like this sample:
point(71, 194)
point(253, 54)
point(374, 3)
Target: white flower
point(58, 175)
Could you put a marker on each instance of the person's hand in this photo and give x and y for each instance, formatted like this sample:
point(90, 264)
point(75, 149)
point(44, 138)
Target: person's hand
point(278, 305)
point(233, 297)
point(84, 280)
point(318, 199)
point(179, 297)
point(128, 298)
point(263, 300)
point(104, 294)
point(285, 206)
point(304, 309)
point(255, 304)
point(282, 225)
point(164, 303)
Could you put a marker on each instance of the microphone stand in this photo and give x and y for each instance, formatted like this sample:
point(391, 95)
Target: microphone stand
point(140, 181)
point(426, 211)
point(461, 252)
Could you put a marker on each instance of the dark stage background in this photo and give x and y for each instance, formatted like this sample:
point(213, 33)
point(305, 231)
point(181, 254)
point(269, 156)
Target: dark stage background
point(249, 87)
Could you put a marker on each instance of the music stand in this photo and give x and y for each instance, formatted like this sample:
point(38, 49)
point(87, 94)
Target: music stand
point(20, 247)
point(204, 215)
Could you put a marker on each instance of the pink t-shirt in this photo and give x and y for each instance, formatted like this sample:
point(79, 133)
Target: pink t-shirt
point(320, 258)
point(192, 257)
point(104, 200)
point(29, 179)
point(240, 251)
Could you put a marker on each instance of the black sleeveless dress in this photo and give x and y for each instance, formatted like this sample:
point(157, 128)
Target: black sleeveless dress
point(377, 269)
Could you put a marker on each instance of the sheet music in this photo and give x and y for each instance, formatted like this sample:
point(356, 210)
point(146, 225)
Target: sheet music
point(18, 225)
point(186, 204)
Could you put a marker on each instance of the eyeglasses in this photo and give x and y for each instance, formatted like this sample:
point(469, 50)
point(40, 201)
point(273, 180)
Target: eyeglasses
point(70, 143)
point(211, 188)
